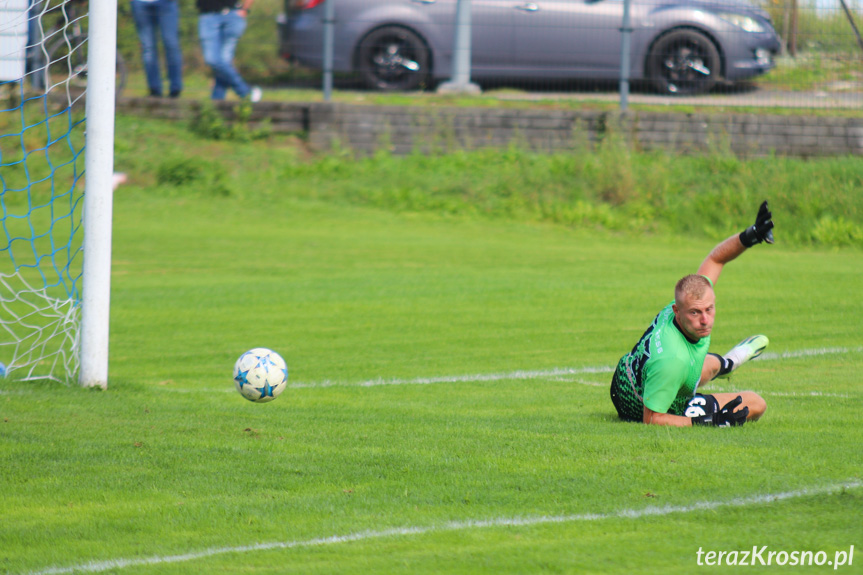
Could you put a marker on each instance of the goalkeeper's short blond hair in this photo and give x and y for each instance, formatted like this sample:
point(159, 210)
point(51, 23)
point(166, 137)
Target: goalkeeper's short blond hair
point(693, 285)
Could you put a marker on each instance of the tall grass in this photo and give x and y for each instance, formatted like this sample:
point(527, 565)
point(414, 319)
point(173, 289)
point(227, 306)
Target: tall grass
point(609, 187)
point(613, 187)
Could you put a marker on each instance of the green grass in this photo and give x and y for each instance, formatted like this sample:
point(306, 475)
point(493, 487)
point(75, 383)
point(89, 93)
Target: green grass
point(818, 201)
point(815, 71)
point(170, 460)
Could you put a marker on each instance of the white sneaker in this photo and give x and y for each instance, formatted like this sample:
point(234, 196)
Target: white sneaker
point(256, 94)
point(749, 348)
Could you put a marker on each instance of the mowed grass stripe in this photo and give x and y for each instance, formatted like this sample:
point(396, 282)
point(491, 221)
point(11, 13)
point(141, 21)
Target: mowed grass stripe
point(651, 511)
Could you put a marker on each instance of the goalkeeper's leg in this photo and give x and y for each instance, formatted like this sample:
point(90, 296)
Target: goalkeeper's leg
point(749, 348)
point(718, 366)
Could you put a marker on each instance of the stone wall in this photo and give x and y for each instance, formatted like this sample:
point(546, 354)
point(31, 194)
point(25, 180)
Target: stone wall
point(404, 129)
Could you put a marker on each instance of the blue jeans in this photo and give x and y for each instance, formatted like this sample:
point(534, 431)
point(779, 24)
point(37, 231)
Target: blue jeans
point(150, 18)
point(219, 34)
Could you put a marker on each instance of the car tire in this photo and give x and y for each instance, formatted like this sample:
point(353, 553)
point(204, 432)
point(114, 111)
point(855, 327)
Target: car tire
point(393, 58)
point(684, 62)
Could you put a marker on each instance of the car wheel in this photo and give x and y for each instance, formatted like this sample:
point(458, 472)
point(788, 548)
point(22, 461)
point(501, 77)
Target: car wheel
point(684, 62)
point(393, 58)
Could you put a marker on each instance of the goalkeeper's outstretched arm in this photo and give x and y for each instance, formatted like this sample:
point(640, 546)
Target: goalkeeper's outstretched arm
point(727, 250)
point(727, 416)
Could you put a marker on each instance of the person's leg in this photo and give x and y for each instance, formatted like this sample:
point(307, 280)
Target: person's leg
point(749, 348)
point(234, 27)
point(169, 22)
point(146, 22)
point(209, 32)
point(712, 366)
point(219, 35)
point(716, 365)
point(756, 404)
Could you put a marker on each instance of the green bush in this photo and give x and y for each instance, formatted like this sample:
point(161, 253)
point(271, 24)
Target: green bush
point(209, 123)
point(193, 175)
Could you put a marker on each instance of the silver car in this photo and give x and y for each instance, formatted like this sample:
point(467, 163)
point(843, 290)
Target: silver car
point(681, 46)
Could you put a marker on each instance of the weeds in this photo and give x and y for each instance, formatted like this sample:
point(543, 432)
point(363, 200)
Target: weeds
point(210, 124)
point(605, 185)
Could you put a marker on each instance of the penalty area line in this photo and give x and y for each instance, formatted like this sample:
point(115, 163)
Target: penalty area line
point(470, 378)
point(99, 566)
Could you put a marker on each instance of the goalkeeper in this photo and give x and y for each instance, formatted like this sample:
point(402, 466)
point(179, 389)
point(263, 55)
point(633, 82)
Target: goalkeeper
point(657, 381)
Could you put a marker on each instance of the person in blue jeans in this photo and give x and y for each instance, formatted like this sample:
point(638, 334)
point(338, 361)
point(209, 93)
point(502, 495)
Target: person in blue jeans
point(220, 25)
point(152, 17)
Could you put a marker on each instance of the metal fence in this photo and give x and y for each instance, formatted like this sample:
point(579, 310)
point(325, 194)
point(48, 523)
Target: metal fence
point(786, 53)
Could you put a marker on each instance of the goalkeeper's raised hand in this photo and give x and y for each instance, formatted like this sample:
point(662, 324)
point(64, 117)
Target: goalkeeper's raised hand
point(761, 231)
point(726, 416)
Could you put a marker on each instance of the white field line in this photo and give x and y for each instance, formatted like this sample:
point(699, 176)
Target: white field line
point(712, 389)
point(470, 378)
point(805, 394)
point(99, 566)
point(808, 353)
point(550, 373)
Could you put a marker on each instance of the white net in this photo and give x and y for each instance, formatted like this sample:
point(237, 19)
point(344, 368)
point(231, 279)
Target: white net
point(41, 173)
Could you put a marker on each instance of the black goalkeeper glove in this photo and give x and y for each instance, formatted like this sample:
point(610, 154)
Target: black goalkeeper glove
point(725, 417)
point(761, 231)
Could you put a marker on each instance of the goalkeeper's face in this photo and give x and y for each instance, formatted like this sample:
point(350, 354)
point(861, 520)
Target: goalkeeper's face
point(695, 314)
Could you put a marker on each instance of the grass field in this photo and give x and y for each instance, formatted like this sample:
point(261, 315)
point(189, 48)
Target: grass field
point(448, 405)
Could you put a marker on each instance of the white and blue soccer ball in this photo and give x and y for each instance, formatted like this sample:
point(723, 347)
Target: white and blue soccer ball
point(260, 375)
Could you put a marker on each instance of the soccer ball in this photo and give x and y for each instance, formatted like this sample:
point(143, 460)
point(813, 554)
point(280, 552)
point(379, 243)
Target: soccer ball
point(260, 375)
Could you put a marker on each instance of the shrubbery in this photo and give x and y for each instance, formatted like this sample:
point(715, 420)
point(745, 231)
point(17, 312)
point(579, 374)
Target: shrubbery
point(611, 187)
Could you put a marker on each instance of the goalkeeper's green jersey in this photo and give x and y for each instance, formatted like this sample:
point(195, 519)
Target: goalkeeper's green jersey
point(661, 372)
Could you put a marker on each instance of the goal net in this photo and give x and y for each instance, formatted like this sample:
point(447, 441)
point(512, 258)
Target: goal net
point(43, 116)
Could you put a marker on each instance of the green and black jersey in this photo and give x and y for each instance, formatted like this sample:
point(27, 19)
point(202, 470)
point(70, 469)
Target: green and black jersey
point(662, 371)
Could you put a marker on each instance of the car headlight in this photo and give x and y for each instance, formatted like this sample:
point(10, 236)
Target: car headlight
point(746, 22)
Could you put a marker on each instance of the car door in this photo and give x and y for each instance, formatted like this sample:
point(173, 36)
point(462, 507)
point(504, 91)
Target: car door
point(559, 37)
point(492, 40)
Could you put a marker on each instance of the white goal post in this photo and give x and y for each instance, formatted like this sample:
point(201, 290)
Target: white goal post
point(98, 194)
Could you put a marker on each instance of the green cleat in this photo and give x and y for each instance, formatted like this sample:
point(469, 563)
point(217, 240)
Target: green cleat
point(749, 348)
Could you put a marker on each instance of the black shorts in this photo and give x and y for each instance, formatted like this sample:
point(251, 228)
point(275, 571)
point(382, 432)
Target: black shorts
point(625, 396)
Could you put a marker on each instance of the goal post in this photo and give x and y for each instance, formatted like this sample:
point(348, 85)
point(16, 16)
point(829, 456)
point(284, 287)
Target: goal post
point(57, 103)
point(98, 194)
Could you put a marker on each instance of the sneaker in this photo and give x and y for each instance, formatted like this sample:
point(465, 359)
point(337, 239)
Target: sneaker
point(749, 348)
point(255, 94)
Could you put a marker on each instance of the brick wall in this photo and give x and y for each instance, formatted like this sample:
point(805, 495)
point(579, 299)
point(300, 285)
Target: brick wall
point(405, 129)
